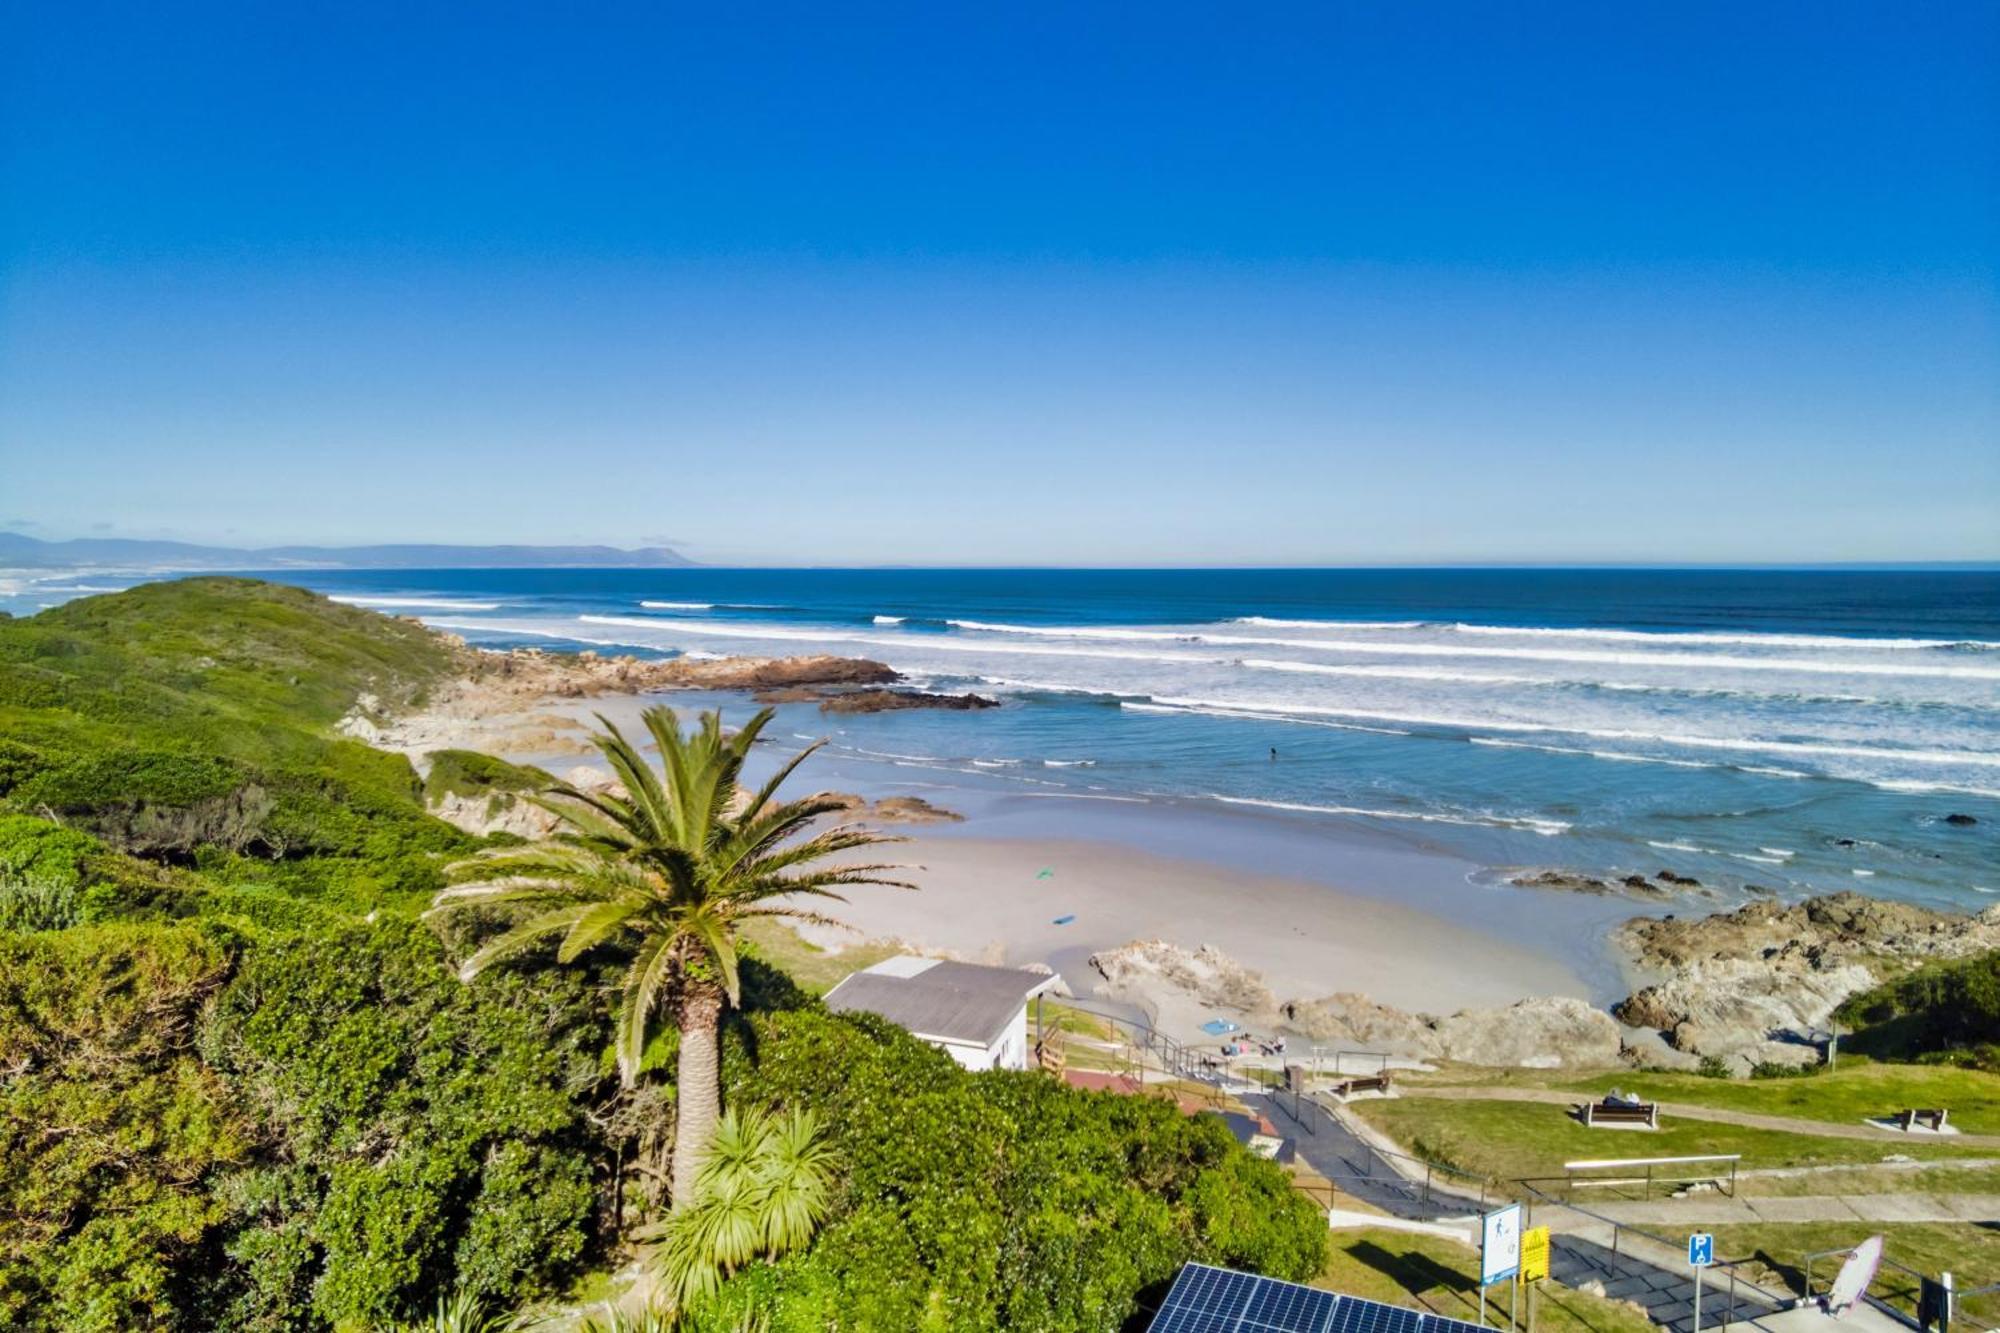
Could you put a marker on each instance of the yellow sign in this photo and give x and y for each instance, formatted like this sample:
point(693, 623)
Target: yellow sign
point(1534, 1253)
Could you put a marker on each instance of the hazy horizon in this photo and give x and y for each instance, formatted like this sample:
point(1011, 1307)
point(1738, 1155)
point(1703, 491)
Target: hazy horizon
point(1576, 287)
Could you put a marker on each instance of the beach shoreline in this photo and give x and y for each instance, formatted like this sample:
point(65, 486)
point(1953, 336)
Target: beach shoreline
point(1310, 909)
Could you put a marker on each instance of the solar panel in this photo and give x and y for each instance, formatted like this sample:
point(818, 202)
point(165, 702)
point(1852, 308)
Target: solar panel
point(1205, 1299)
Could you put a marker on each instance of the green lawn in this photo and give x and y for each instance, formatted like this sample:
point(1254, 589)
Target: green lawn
point(1855, 1090)
point(815, 969)
point(1430, 1272)
point(1510, 1140)
point(1878, 1180)
point(1969, 1251)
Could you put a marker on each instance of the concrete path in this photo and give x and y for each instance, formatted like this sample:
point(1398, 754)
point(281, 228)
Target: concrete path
point(1826, 1129)
point(1710, 1209)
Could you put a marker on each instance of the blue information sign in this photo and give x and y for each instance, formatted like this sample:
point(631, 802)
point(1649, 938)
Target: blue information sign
point(1701, 1249)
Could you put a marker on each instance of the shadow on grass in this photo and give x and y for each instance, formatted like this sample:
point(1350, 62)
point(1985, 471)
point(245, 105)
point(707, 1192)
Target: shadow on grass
point(1413, 1271)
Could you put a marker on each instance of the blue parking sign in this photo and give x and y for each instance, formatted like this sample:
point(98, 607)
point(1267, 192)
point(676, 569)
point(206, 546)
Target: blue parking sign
point(1701, 1249)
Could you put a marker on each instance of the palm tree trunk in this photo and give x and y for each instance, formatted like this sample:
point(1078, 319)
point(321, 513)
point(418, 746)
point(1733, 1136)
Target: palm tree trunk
point(698, 1090)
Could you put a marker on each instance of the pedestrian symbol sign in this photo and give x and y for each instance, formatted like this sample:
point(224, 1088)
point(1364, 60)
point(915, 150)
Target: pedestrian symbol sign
point(1701, 1249)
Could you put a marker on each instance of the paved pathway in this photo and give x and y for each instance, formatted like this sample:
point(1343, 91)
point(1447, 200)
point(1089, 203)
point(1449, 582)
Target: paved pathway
point(1583, 1251)
point(1826, 1129)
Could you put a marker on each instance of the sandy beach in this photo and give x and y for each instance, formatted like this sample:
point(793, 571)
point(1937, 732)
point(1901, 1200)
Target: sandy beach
point(988, 900)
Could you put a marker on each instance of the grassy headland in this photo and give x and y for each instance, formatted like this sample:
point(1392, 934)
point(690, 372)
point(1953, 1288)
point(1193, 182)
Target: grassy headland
point(242, 1085)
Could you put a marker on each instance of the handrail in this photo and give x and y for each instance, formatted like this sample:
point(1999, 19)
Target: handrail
point(1594, 1163)
point(1757, 1300)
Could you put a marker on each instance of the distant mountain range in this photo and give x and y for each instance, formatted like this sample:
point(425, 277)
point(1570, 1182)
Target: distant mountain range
point(19, 551)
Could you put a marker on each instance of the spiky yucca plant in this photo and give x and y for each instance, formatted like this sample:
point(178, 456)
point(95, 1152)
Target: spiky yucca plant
point(764, 1189)
point(672, 868)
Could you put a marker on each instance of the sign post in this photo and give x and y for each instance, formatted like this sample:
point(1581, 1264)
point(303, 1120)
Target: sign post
point(1499, 1249)
point(1534, 1265)
point(1701, 1253)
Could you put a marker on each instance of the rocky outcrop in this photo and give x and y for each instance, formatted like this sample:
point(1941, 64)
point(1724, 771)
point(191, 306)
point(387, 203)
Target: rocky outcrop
point(1745, 986)
point(1663, 884)
point(494, 812)
point(892, 809)
point(1544, 1032)
point(1541, 1033)
point(531, 672)
point(1207, 975)
point(1569, 881)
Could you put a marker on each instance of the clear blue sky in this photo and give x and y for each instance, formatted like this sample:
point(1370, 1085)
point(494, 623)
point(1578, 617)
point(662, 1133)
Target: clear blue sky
point(956, 284)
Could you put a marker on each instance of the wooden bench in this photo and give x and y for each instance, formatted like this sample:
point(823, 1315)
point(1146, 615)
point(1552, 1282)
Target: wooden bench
point(1933, 1117)
point(1621, 1113)
point(1368, 1083)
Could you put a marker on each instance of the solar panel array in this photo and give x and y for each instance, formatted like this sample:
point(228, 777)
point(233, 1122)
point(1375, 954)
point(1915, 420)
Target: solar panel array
point(1218, 1300)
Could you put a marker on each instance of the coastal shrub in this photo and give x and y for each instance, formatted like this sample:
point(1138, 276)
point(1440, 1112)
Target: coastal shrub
point(433, 1129)
point(469, 773)
point(1001, 1200)
point(113, 1135)
point(1947, 1011)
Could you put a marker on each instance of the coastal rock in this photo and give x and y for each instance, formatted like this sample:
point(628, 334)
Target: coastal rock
point(1544, 1032)
point(1570, 881)
point(1958, 820)
point(494, 812)
point(1541, 1033)
point(1563, 881)
point(1745, 985)
point(892, 809)
point(1351, 1017)
point(1207, 975)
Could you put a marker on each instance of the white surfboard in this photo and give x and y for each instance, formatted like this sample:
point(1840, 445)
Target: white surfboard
point(1854, 1277)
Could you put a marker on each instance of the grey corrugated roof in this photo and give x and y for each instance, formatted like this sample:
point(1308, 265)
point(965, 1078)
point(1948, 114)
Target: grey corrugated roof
point(955, 1001)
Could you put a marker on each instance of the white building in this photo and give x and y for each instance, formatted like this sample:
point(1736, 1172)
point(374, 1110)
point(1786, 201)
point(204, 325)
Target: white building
point(978, 1014)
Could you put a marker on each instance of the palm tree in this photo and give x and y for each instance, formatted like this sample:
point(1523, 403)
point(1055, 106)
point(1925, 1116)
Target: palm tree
point(764, 1189)
point(671, 868)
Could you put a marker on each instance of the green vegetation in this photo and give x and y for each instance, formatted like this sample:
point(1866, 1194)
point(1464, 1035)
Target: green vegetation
point(1508, 1140)
point(1967, 1250)
point(670, 870)
point(242, 1085)
point(1855, 1090)
point(1946, 1011)
point(1443, 1277)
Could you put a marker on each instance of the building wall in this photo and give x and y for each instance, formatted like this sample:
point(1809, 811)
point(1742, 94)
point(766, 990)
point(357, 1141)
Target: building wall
point(1008, 1051)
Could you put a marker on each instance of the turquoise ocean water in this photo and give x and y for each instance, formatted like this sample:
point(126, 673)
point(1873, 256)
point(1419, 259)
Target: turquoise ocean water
point(1800, 731)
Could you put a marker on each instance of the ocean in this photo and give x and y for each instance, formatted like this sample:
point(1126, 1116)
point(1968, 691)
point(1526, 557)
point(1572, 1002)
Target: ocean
point(1797, 731)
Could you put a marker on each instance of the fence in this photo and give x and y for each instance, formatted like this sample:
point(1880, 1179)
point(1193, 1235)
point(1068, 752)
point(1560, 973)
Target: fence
point(1571, 1179)
point(1896, 1287)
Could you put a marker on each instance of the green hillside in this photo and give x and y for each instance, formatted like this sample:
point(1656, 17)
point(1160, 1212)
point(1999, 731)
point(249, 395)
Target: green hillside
point(243, 1087)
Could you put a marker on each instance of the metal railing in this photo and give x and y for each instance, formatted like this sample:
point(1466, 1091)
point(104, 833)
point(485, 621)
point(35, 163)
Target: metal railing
point(1742, 1299)
point(1899, 1299)
point(1570, 1179)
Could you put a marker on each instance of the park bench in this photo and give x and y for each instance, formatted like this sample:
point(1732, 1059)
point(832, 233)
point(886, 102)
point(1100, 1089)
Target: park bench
point(1932, 1117)
point(1367, 1083)
point(1620, 1113)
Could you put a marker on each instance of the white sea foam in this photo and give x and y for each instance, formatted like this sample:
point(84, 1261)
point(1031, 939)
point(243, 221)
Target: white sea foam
point(1863, 874)
point(889, 620)
point(1843, 642)
point(1546, 827)
point(1275, 622)
point(414, 603)
point(1696, 661)
point(1675, 846)
point(1777, 851)
point(678, 606)
point(1760, 860)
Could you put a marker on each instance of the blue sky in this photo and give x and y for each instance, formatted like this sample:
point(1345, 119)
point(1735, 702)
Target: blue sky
point(943, 284)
